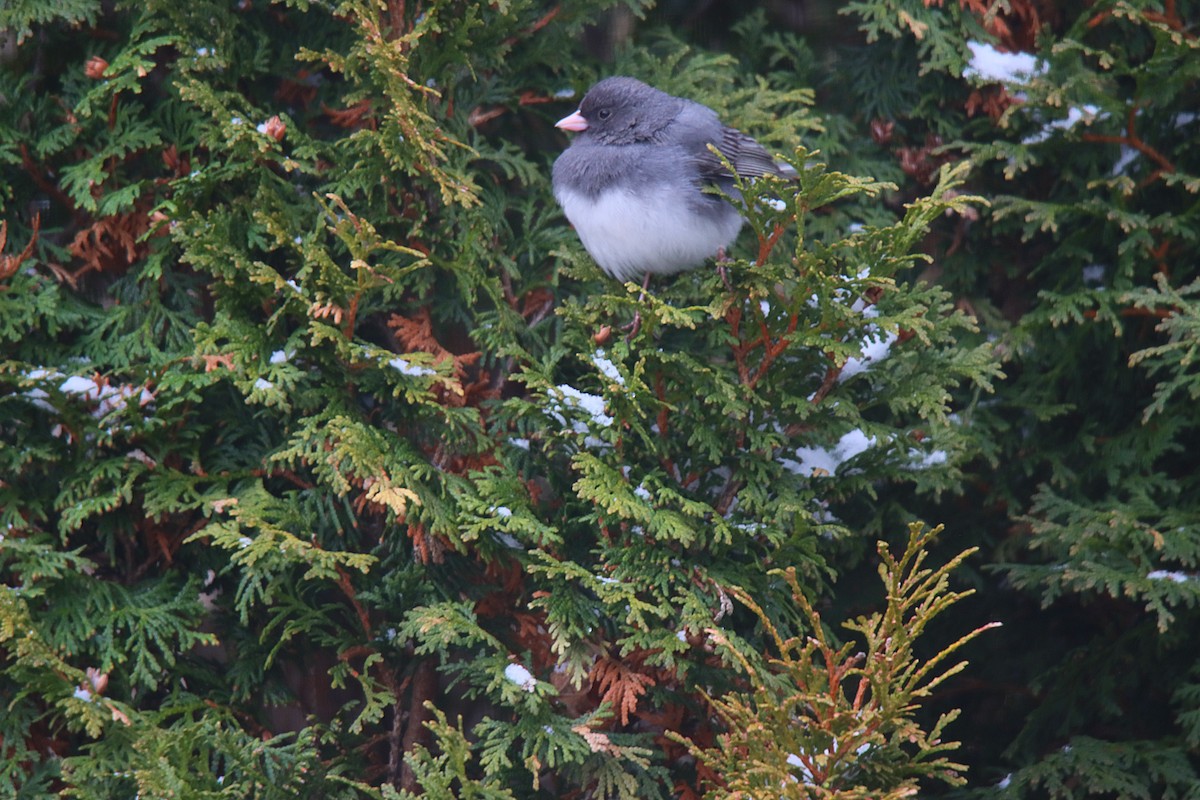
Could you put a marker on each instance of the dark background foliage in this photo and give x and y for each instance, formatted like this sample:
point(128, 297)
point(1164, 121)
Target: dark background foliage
point(316, 425)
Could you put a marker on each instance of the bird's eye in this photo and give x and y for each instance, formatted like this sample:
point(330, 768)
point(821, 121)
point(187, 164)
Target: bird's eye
point(603, 114)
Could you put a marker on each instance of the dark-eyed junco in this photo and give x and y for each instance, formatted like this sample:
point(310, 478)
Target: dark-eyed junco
point(632, 182)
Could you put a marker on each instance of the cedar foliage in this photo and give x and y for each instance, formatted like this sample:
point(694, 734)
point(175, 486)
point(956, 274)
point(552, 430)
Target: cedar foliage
point(829, 721)
point(1083, 272)
point(326, 473)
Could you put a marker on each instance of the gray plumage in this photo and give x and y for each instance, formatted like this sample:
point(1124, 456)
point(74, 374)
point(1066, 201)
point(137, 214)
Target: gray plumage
point(632, 181)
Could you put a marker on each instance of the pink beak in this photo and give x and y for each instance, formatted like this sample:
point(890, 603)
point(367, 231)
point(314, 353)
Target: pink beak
point(574, 122)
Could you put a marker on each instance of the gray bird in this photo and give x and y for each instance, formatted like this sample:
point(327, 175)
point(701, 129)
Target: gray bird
point(632, 182)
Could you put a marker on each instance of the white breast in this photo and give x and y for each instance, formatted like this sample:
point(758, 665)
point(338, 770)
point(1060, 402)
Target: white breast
point(651, 231)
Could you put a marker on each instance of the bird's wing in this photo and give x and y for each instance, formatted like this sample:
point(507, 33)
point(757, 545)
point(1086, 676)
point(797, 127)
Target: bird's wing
point(749, 158)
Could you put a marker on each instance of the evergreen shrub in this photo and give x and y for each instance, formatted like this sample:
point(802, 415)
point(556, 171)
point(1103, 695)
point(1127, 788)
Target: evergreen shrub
point(328, 471)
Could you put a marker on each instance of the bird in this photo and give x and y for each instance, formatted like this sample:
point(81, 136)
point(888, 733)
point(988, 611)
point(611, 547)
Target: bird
point(632, 182)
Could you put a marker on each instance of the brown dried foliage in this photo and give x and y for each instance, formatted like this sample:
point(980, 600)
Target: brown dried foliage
point(992, 100)
point(9, 264)
point(469, 385)
point(1016, 25)
point(620, 685)
point(110, 244)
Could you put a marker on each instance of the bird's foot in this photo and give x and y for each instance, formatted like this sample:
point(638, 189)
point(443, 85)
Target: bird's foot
point(722, 260)
point(636, 325)
point(633, 327)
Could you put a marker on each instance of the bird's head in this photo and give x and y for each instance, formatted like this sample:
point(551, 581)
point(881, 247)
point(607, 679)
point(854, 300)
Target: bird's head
point(621, 110)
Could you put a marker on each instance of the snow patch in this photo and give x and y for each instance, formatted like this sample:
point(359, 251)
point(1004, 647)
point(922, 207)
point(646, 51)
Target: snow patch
point(520, 676)
point(508, 541)
point(600, 359)
point(875, 348)
point(925, 460)
point(592, 404)
point(990, 64)
point(1086, 114)
point(412, 370)
point(1128, 156)
point(107, 397)
point(1174, 577)
point(1093, 274)
point(822, 461)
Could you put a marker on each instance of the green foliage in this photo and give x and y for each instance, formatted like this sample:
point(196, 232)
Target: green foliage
point(19, 17)
point(838, 721)
point(319, 433)
point(439, 776)
point(1087, 767)
point(300, 453)
point(1083, 274)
